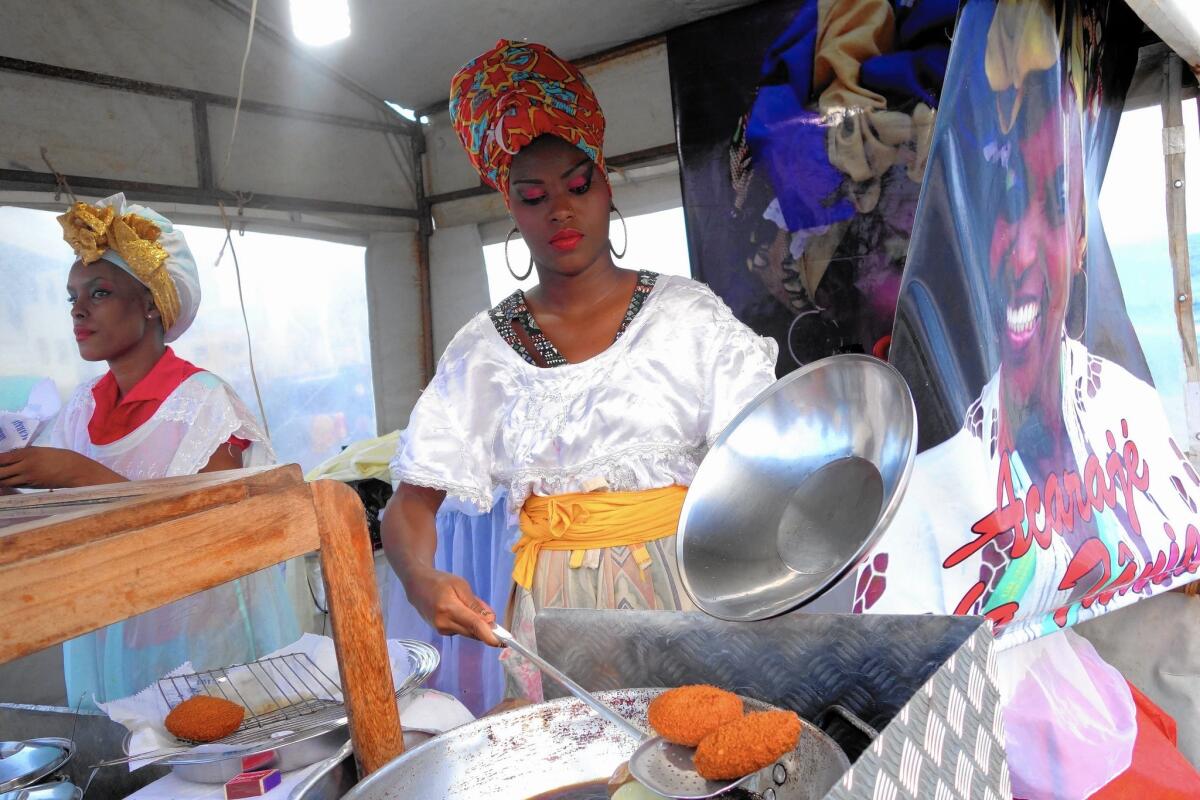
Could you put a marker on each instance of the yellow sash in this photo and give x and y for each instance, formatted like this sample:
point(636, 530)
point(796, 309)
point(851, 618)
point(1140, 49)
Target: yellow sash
point(582, 522)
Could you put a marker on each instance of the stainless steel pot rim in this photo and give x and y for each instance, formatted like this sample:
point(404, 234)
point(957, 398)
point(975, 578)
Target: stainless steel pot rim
point(885, 515)
point(376, 779)
point(61, 789)
point(423, 657)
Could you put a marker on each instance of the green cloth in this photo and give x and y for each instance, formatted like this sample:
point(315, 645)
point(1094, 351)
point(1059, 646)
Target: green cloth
point(360, 461)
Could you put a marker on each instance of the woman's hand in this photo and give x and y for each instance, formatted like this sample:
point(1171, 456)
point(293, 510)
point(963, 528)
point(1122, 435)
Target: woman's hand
point(447, 603)
point(52, 468)
point(444, 600)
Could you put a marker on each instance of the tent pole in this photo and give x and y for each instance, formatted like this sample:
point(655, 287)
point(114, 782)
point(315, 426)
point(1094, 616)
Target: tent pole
point(424, 234)
point(1173, 153)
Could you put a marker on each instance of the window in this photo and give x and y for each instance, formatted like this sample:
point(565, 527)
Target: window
point(657, 242)
point(1133, 207)
point(307, 309)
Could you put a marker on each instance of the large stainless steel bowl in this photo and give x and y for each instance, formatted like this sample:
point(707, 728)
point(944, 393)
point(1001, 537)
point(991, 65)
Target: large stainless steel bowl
point(536, 749)
point(797, 488)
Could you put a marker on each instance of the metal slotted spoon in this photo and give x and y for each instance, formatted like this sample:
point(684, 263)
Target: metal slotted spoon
point(657, 764)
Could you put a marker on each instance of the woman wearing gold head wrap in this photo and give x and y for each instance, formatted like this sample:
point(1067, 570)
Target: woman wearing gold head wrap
point(587, 402)
point(133, 288)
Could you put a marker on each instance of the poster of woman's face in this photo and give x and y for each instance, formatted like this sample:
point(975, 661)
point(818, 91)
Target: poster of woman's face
point(1008, 254)
point(1038, 251)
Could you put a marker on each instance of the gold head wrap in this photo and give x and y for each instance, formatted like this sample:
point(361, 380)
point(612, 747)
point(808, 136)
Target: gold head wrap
point(93, 230)
point(1022, 39)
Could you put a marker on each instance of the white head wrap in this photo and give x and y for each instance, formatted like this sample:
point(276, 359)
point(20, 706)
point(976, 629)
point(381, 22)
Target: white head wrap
point(180, 265)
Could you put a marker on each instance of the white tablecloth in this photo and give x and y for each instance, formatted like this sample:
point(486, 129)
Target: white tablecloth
point(423, 708)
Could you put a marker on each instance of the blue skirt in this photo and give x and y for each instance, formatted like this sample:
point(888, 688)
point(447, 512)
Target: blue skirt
point(479, 549)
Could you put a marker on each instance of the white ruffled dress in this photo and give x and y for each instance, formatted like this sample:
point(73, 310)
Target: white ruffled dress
point(228, 624)
point(640, 415)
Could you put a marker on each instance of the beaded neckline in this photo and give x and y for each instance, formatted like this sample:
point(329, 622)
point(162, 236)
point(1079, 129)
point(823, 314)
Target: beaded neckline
point(514, 309)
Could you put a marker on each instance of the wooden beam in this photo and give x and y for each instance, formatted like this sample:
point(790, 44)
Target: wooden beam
point(424, 266)
point(84, 525)
point(170, 193)
point(57, 596)
point(145, 551)
point(400, 126)
point(256, 479)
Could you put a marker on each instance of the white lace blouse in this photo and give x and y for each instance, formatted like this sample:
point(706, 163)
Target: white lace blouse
point(185, 431)
point(227, 624)
point(639, 415)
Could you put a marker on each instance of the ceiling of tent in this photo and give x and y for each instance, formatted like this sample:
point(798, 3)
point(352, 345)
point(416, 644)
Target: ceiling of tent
point(407, 50)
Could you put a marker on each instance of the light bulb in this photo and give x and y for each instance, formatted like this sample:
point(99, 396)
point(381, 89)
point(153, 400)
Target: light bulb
point(320, 22)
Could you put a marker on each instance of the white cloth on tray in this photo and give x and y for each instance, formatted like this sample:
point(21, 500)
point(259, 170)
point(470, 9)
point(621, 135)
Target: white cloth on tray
point(143, 713)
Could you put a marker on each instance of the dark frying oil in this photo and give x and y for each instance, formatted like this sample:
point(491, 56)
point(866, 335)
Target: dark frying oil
point(598, 790)
point(592, 790)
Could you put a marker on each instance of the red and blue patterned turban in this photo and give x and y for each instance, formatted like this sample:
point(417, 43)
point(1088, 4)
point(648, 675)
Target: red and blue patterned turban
point(505, 98)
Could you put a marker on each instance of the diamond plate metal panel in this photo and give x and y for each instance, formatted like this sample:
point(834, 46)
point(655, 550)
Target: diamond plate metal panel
point(926, 682)
point(872, 664)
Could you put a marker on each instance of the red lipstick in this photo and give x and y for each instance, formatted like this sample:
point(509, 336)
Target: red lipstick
point(566, 240)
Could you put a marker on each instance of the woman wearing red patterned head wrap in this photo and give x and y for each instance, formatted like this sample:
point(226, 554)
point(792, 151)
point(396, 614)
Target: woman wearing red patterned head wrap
point(587, 403)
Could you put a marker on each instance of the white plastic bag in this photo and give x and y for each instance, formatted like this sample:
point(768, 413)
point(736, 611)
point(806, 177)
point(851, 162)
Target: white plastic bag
point(1069, 718)
point(27, 404)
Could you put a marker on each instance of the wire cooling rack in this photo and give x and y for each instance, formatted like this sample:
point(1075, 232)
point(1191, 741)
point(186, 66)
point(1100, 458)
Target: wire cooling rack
point(280, 694)
point(286, 698)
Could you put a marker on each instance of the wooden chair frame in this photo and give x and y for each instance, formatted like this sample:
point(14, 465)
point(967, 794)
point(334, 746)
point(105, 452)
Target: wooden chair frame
point(76, 560)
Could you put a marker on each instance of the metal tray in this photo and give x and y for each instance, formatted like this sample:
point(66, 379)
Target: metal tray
point(288, 750)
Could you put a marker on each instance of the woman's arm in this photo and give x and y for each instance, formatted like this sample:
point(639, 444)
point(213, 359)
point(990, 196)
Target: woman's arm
point(52, 468)
point(444, 600)
point(58, 468)
point(225, 457)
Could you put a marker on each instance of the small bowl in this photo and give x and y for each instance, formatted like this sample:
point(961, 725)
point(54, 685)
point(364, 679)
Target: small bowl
point(796, 490)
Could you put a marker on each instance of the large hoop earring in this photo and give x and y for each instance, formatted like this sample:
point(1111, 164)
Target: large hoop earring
point(528, 271)
point(625, 228)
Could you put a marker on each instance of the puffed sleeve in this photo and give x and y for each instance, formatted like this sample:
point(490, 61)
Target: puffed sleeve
point(738, 365)
point(447, 442)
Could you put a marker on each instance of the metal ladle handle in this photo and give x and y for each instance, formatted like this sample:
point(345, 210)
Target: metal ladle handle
point(571, 686)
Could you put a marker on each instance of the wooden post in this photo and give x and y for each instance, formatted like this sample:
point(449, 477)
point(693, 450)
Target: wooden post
point(357, 619)
point(1173, 153)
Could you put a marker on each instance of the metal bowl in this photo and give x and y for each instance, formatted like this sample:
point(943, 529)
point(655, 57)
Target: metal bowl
point(536, 749)
point(797, 488)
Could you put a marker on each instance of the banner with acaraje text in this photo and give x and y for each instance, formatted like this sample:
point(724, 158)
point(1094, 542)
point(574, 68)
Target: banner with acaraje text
point(1048, 488)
